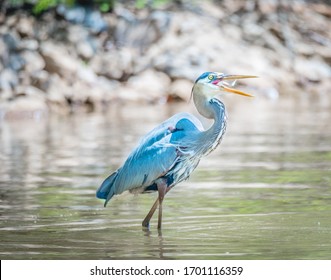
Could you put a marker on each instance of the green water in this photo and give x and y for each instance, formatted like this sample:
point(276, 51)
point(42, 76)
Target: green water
point(265, 193)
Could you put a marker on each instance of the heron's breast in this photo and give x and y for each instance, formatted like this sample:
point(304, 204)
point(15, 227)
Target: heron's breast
point(182, 170)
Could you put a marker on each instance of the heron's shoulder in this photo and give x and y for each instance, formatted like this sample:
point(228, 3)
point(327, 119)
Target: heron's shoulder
point(186, 118)
point(166, 127)
point(161, 134)
point(172, 121)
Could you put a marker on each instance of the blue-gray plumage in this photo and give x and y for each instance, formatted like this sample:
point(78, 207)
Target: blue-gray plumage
point(169, 153)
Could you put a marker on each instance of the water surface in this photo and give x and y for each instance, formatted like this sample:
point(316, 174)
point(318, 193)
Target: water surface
point(265, 193)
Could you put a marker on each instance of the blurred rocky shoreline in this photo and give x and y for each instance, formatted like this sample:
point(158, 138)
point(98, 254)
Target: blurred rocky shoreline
point(76, 59)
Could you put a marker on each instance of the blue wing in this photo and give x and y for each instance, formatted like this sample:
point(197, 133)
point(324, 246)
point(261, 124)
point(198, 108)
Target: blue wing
point(155, 155)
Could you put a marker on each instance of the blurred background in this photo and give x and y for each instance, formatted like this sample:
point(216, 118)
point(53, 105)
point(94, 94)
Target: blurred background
point(81, 81)
point(62, 56)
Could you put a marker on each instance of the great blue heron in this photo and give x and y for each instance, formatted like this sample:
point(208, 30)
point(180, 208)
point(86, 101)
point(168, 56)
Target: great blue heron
point(170, 152)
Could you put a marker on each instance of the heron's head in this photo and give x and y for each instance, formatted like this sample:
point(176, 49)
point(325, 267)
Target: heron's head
point(213, 83)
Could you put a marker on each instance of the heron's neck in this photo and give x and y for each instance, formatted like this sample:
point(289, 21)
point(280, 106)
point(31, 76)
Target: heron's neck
point(211, 108)
point(201, 100)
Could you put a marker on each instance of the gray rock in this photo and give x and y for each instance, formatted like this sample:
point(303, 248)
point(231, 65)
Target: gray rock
point(181, 89)
point(149, 86)
point(29, 91)
point(25, 26)
point(85, 16)
point(114, 65)
point(8, 79)
point(41, 79)
point(29, 44)
point(85, 50)
point(12, 40)
point(33, 61)
point(84, 43)
point(58, 60)
point(140, 31)
point(16, 62)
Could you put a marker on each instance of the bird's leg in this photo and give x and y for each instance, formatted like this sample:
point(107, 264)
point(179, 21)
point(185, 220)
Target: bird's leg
point(145, 222)
point(162, 189)
point(150, 214)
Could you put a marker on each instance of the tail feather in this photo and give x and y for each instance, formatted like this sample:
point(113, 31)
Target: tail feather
point(106, 190)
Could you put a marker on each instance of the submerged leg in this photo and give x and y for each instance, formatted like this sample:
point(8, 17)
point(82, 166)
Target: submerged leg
point(162, 189)
point(145, 222)
point(151, 212)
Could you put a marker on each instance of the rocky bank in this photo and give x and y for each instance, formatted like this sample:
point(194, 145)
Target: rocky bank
point(73, 59)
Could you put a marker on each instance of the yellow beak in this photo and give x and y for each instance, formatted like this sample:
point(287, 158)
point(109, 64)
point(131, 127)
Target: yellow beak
point(226, 87)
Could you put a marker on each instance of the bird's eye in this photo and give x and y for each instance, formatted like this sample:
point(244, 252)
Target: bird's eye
point(211, 77)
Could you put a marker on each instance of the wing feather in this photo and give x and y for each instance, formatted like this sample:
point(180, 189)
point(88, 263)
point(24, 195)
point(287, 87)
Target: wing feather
point(154, 156)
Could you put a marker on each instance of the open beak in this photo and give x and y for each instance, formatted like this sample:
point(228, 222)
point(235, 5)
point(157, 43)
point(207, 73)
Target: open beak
point(222, 83)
